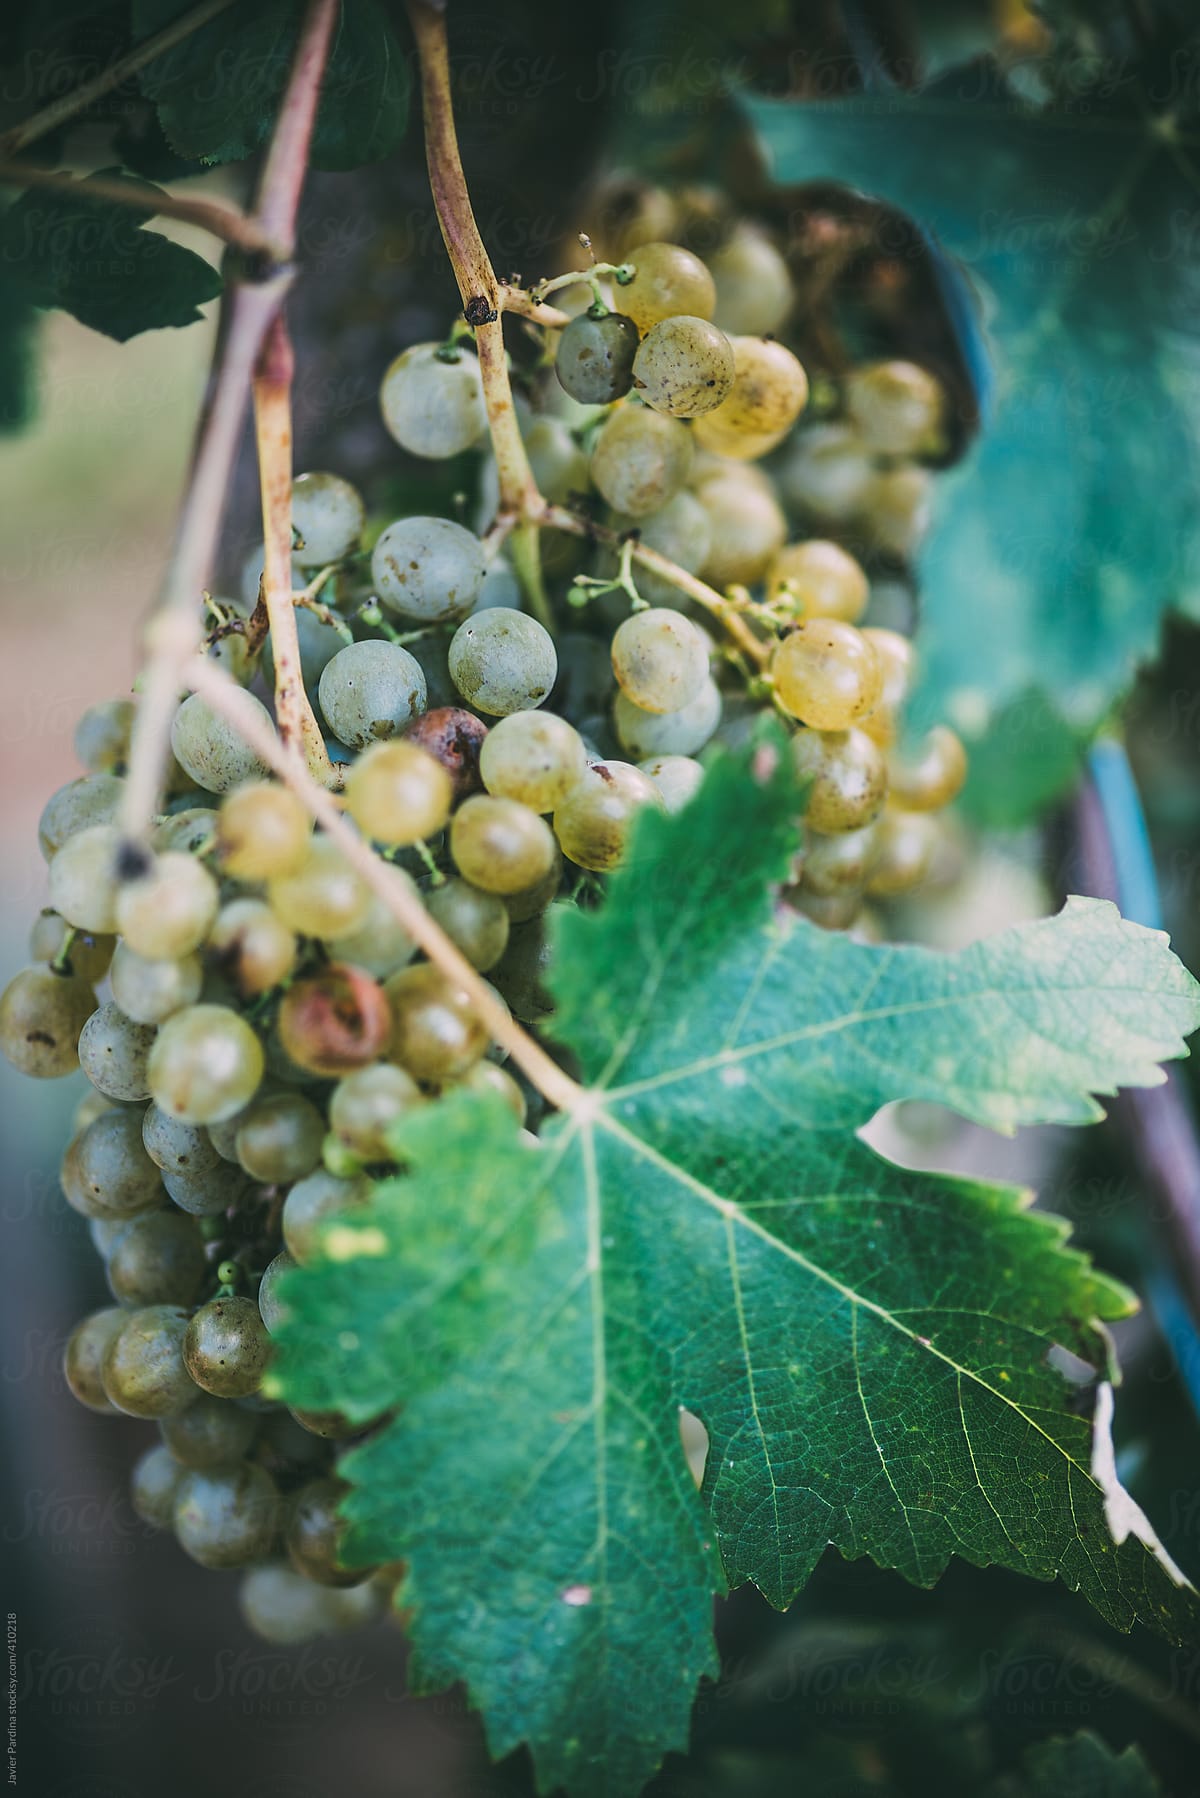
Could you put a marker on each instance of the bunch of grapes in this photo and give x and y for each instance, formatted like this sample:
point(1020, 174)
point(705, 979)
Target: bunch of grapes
point(251, 1017)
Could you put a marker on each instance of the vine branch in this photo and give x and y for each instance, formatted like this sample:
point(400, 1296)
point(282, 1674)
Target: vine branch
point(226, 222)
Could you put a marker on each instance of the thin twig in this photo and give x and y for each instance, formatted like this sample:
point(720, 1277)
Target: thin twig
point(232, 703)
point(225, 222)
point(68, 105)
point(287, 154)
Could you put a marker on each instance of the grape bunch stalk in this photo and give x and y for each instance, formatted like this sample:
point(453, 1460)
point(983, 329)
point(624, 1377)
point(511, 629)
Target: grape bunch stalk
point(402, 750)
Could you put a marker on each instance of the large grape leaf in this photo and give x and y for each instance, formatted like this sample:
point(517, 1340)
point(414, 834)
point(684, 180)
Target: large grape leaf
point(1072, 525)
point(873, 1351)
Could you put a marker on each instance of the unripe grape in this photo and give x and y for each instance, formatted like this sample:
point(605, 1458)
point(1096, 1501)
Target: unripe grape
point(211, 1433)
point(398, 794)
point(283, 1607)
point(250, 947)
point(848, 775)
point(331, 1022)
point(41, 1016)
point(640, 460)
point(437, 1032)
point(533, 757)
point(318, 642)
point(826, 674)
point(371, 690)
point(167, 912)
point(660, 660)
point(748, 528)
point(314, 1532)
point(271, 1308)
point(90, 952)
point(932, 776)
point(114, 1053)
point(683, 732)
point(905, 845)
point(594, 357)
point(486, 1077)
point(279, 1138)
point(502, 661)
point(176, 1147)
point(453, 738)
point(227, 1518)
point(819, 580)
point(106, 1170)
point(897, 407)
point(668, 280)
point(154, 1486)
point(677, 777)
point(429, 569)
point(628, 212)
point(102, 736)
point(206, 1192)
point(831, 911)
point(754, 287)
point(83, 878)
point(83, 1357)
point(211, 750)
point(206, 1064)
point(262, 830)
point(432, 403)
point(81, 805)
point(593, 823)
point(560, 468)
point(324, 897)
point(150, 991)
point(841, 863)
point(684, 367)
point(896, 509)
point(366, 1104)
point(769, 392)
point(380, 944)
point(226, 1347)
point(158, 1259)
point(897, 661)
point(312, 1204)
point(329, 515)
point(143, 1372)
point(827, 472)
point(500, 845)
point(475, 921)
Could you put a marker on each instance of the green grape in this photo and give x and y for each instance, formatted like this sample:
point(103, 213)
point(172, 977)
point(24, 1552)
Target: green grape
point(89, 955)
point(106, 1170)
point(262, 830)
point(594, 358)
point(848, 775)
point(252, 571)
point(381, 944)
point(330, 1425)
point(227, 1348)
point(560, 468)
point(398, 794)
point(211, 750)
point(500, 845)
point(679, 531)
point(175, 1147)
point(626, 213)
point(532, 757)
point(312, 1204)
point(840, 863)
point(104, 1232)
point(502, 661)
point(593, 822)
point(82, 804)
point(370, 691)
point(271, 1308)
point(430, 569)
point(754, 287)
point(898, 665)
point(366, 1104)
point(486, 1077)
point(206, 1192)
point(896, 513)
point(826, 674)
point(279, 1138)
point(905, 846)
point(520, 975)
point(252, 948)
point(283, 1607)
point(143, 1370)
point(748, 528)
point(668, 280)
point(476, 922)
point(158, 1259)
point(677, 777)
point(831, 911)
point(91, 1105)
point(640, 460)
point(315, 1531)
point(211, 1433)
point(931, 777)
point(335, 1020)
point(154, 1485)
point(318, 642)
point(102, 736)
point(827, 473)
point(354, 1607)
point(534, 900)
point(437, 1032)
point(324, 897)
point(768, 393)
point(83, 879)
point(684, 367)
point(329, 515)
point(223, 1135)
point(227, 1517)
point(453, 738)
point(150, 991)
point(83, 1357)
point(820, 580)
point(114, 1053)
point(283, 1442)
point(433, 404)
point(647, 734)
point(41, 1017)
point(896, 406)
point(190, 832)
point(205, 1065)
point(660, 660)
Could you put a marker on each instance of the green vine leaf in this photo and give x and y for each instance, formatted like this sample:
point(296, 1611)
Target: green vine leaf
point(875, 1353)
point(98, 261)
point(1071, 527)
point(1079, 1766)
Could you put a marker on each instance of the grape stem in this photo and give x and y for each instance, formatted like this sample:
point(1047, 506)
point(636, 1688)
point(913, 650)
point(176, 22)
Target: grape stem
point(247, 308)
point(299, 731)
point(624, 272)
point(522, 303)
point(231, 702)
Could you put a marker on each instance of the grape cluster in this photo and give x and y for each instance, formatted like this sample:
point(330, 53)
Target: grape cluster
point(252, 1018)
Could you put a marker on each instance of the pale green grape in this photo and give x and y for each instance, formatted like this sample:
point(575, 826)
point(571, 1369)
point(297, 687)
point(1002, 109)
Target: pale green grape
point(486, 1077)
point(324, 897)
point(114, 1053)
point(154, 1485)
point(896, 514)
point(433, 406)
point(158, 1259)
point(319, 643)
point(262, 830)
point(640, 460)
point(438, 1033)
point(226, 1517)
point(90, 954)
point(594, 357)
point(680, 531)
point(143, 1368)
point(366, 1104)
point(82, 804)
point(226, 1347)
point(533, 757)
point(429, 569)
point(315, 1531)
point(766, 397)
point(175, 1147)
point(210, 1433)
point(932, 775)
point(41, 1017)
point(329, 515)
point(559, 465)
point(271, 1308)
point(827, 472)
point(820, 580)
point(311, 1204)
point(398, 794)
point(848, 776)
point(660, 660)
point(83, 1357)
point(839, 863)
point(211, 750)
point(371, 690)
point(473, 920)
point(107, 1172)
point(684, 367)
point(534, 900)
point(668, 280)
point(502, 661)
point(190, 832)
point(283, 1607)
point(279, 1138)
point(500, 845)
point(380, 944)
point(102, 736)
point(83, 878)
point(754, 287)
point(520, 975)
point(677, 777)
point(166, 913)
point(252, 948)
point(897, 407)
point(205, 1192)
point(646, 734)
point(206, 1064)
point(594, 821)
point(827, 674)
point(747, 529)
